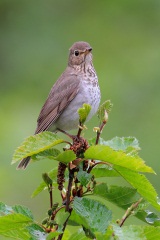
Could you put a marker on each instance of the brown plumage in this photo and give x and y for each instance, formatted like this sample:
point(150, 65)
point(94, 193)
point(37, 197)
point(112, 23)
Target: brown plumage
point(77, 85)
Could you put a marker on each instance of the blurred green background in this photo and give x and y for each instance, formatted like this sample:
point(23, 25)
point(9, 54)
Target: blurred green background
point(34, 40)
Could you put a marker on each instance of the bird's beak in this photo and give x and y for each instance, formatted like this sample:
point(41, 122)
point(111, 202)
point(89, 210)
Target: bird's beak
point(88, 50)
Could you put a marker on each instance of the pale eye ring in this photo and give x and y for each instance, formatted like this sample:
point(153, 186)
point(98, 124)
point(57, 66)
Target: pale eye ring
point(76, 52)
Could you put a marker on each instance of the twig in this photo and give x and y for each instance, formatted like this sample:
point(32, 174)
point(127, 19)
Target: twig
point(100, 131)
point(64, 226)
point(67, 201)
point(129, 212)
point(79, 130)
point(94, 164)
point(51, 195)
point(69, 190)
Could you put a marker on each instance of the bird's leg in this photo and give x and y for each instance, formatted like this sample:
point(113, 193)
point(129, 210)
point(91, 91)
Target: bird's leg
point(67, 134)
point(73, 137)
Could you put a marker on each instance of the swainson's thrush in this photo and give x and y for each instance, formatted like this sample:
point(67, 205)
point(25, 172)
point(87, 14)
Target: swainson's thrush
point(77, 85)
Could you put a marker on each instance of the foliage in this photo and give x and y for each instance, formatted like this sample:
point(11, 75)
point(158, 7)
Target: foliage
point(85, 167)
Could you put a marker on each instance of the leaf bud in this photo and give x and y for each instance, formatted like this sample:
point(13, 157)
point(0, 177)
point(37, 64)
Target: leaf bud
point(46, 178)
point(55, 205)
point(50, 211)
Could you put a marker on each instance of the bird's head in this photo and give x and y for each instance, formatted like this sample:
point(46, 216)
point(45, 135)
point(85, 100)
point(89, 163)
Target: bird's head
point(79, 53)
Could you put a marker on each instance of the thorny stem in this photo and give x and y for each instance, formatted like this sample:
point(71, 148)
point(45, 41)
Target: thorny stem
point(100, 130)
point(129, 212)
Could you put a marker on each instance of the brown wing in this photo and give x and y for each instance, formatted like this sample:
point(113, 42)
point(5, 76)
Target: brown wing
point(61, 94)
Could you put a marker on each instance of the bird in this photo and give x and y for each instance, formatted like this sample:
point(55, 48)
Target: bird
point(77, 85)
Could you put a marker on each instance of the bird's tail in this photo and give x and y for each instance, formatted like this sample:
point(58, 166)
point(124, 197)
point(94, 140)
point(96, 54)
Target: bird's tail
point(23, 163)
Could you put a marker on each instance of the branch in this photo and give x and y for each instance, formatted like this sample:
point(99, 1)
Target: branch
point(129, 212)
point(51, 195)
point(99, 131)
point(71, 175)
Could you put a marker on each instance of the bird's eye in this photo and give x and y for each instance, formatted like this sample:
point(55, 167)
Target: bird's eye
point(76, 53)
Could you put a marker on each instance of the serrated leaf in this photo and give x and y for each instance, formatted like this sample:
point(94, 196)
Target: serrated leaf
point(61, 216)
point(16, 234)
point(23, 210)
point(49, 154)
point(18, 224)
point(121, 143)
point(51, 235)
point(129, 145)
point(36, 232)
point(55, 154)
point(5, 209)
point(84, 177)
point(106, 106)
point(107, 236)
point(141, 183)
point(42, 186)
point(103, 170)
point(36, 144)
point(14, 221)
point(121, 196)
point(91, 214)
point(84, 112)
point(119, 158)
point(66, 156)
point(124, 197)
point(135, 232)
point(79, 235)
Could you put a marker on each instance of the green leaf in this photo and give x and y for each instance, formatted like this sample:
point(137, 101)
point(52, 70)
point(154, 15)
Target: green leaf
point(42, 186)
point(23, 210)
point(141, 183)
point(79, 235)
point(54, 154)
point(61, 216)
point(46, 179)
point(37, 232)
point(18, 224)
point(66, 234)
point(66, 156)
point(51, 236)
point(135, 232)
point(49, 154)
point(147, 216)
point(91, 214)
point(14, 221)
point(119, 158)
point(84, 177)
point(4, 209)
point(106, 106)
point(17, 234)
point(36, 144)
point(84, 112)
point(121, 143)
point(124, 197)
point(103, 170)
point(121, 196)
